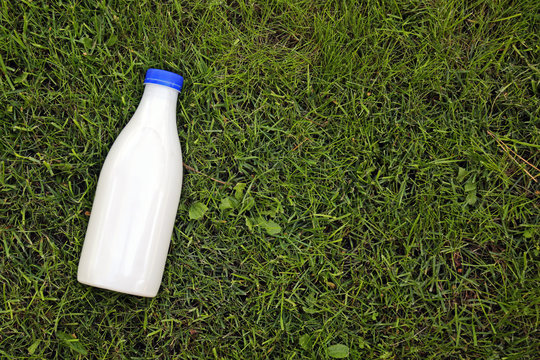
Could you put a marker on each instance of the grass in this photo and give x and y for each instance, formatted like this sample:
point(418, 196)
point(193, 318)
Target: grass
point(366, 202)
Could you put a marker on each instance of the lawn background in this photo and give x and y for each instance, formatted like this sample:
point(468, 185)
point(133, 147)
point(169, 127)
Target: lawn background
point(377, 213)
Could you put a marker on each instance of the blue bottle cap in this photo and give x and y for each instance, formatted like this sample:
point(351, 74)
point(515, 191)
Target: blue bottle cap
point(163, 77)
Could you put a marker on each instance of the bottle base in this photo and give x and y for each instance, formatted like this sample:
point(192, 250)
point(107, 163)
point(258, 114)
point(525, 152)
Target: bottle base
point(118, 289)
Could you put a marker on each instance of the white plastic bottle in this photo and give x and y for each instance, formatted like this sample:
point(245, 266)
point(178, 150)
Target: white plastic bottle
point(137, 196)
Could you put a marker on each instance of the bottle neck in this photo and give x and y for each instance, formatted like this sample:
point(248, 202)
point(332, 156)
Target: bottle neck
point(157, 108)
point(159, 96)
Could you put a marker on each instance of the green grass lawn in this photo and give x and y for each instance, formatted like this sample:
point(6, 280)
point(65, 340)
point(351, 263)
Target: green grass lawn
point(368, 169)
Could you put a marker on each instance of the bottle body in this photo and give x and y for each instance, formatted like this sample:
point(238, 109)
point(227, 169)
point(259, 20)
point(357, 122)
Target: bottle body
point(136, 201)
